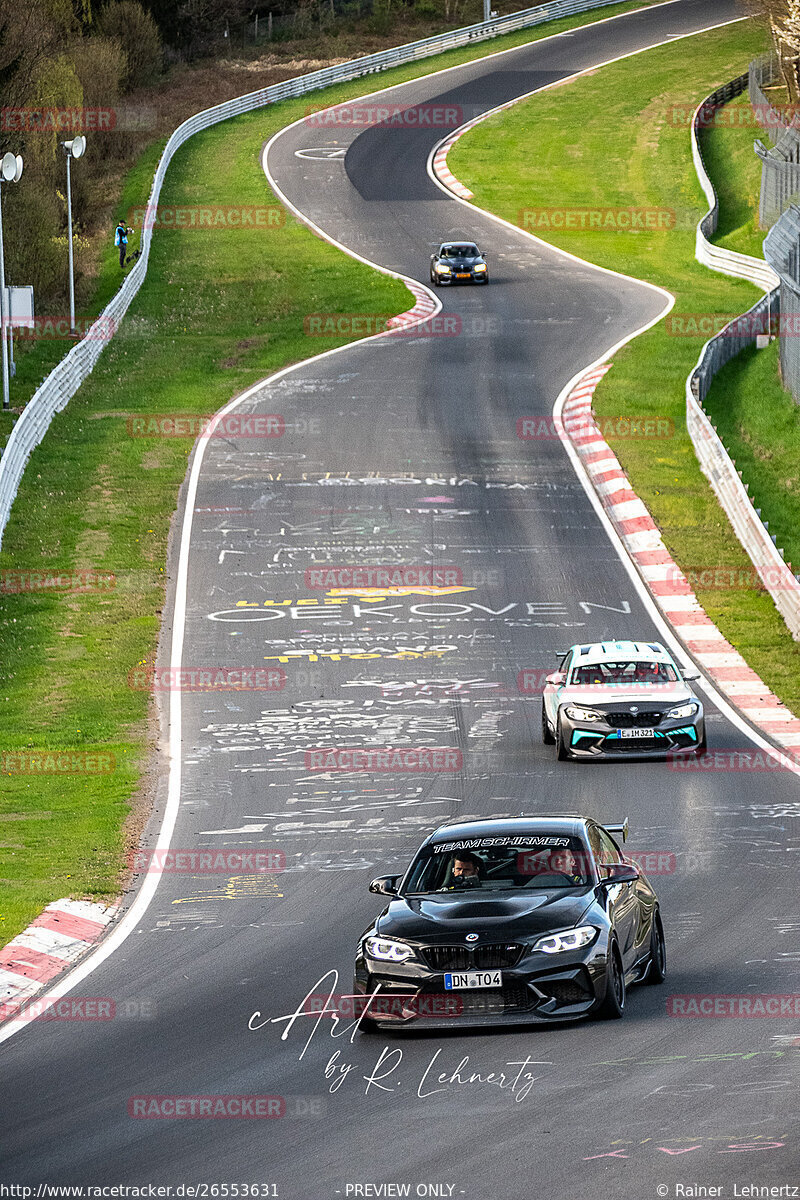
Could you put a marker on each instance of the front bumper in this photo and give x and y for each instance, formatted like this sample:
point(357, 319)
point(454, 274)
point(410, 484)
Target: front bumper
point(596, 739)
point(534, 992)
point(463, 277)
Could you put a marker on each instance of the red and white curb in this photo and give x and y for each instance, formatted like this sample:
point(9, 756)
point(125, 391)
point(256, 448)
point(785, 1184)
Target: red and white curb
point(442, 170)
point(425, 306)
point(667, 585)
point(56, 940)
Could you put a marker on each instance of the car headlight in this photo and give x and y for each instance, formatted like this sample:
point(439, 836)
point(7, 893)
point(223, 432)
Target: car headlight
point(442, 269)
point(583, 714)
point(568, 939)
point(684, 710)
point(480, 267)
point(387, 950)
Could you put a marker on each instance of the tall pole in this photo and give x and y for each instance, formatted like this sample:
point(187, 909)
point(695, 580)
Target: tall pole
point(3, 308)
point(71, 269)
point(487, 9)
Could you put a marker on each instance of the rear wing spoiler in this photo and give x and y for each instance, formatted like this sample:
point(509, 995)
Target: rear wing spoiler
point(619, 831)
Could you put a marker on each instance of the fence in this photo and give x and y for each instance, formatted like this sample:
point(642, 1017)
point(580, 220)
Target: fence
point(780, 164)
point(782, 251)
point(62, 383)
point(714, 459)
point(728, 262)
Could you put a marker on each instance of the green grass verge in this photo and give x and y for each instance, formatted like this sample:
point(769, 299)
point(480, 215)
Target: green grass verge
point(735, 170)
point(217, 312)
point(608, 140)
point(759, 423)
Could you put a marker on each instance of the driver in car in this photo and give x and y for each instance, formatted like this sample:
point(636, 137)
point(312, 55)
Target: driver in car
point(466, 869)
point(563, 862)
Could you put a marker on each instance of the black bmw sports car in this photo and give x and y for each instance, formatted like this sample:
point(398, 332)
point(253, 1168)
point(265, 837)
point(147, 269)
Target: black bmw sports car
point(510, 921)
point(458, 262)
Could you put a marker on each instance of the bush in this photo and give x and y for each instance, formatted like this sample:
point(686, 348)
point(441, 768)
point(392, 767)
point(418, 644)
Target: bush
point(32, 215)
point(102, 67)
point(126, 22)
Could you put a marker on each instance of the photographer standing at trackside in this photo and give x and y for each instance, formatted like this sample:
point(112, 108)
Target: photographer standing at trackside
point(121, 240)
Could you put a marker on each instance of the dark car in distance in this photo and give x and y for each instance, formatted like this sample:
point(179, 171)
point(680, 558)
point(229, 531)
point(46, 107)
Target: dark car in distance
point(510, 921)
point(458, 262)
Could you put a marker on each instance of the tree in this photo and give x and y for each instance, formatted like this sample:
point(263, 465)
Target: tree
point(137, 33)
point(784, 25)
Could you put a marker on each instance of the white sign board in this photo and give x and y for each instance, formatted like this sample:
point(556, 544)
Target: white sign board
point(19, 307)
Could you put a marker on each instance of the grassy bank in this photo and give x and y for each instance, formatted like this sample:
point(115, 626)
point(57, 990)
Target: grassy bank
point(756, 417)
point(609, 140)
point(95, 499)
point(735, 171)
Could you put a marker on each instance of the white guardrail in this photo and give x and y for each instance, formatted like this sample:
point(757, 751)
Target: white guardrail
point(714, 459)
point(62, 383)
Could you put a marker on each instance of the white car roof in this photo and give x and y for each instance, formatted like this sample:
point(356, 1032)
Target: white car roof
point(593, 653)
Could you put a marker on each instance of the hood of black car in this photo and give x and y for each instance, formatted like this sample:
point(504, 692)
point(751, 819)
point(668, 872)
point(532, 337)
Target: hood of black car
point(448, 917)
point(461, 264)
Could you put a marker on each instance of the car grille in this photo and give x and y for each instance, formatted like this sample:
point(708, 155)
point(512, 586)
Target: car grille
point(616, 745)
point(512, 998)
point(629, 720)
point(482, 958)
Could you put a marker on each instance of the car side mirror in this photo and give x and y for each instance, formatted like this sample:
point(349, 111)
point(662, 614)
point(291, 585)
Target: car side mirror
point(385, 885)
point(620, 873)
point(556, 679)
point(690, 674)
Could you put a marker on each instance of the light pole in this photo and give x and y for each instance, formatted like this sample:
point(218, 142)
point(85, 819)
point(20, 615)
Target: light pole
point(73, 149)
point(10, 172)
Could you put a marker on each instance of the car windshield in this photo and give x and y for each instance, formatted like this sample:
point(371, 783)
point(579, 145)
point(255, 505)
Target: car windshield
point(500, 865)
point(631, 671)
point(459, 251)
